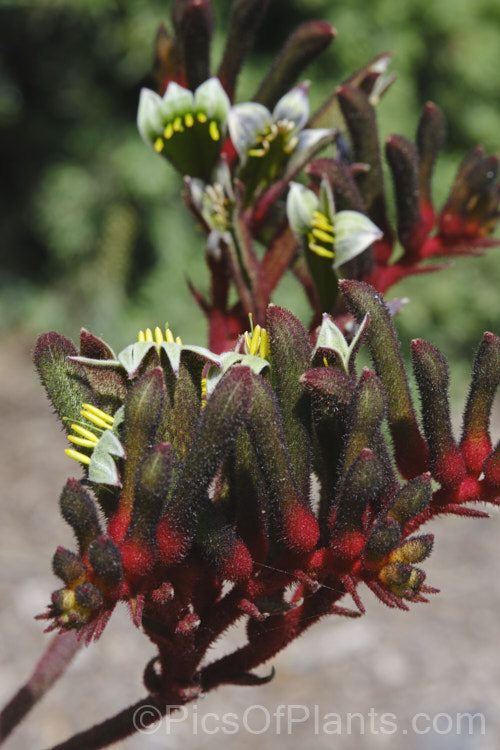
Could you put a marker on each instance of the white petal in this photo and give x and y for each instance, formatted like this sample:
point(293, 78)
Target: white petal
point(149, 116)
point(331, 337)
point(300, 206)
point(247, 121)
point(354, 232)
point(177, 101)
point(294, 107)
point(211, 99)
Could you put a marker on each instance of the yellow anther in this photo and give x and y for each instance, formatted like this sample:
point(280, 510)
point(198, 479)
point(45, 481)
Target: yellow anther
point(158, 335)
point(264, 344)
point(254, 345)
point(291, 145)
point(141, 337)
point(169, 336)
point(149, 335)
point(203, 392)
point(98, 412)
point(189, 120)
point(85, 433)
point(177, 125)
point(169, 131)
point(201, 117)
point(248, 341)
point(318, 249)
point(213, 131)
point(77, 456)
point(273, 132)
point(83, 442)
point(260, 151)
point(325, 362)
point(159, 145)
point(323, 236)
point(97, 416)
point(178, 340)
point(320, 221)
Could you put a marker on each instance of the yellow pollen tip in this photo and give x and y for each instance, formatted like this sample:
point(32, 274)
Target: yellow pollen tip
point(83, 442)
point(201, 117)
point(273, 132)
point(158, 335)
point(291, 145)
point(318, 249)
point(98, 412)
point(97, 416)
point(177, 125)
point(77, 456)
point(169, 336)
point(149, 335)
point(254, 345)
point(322, 236)
point(169, 131)
point(178, 340)
point(159, 145)
point(189, 120)
point(258, 152)
point(248, 341)
point(264, 344)
point(85, 433)
point(320, 221)
point(214, 131)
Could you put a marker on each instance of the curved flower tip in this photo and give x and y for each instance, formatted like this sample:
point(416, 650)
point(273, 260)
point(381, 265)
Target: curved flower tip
point(187, 129)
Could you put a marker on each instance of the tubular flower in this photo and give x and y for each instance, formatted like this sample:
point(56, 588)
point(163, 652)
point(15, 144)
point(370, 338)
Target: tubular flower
point(214, 479)
point(330, 239)
point(268, 143)
point(339, 236)
point(187, 129)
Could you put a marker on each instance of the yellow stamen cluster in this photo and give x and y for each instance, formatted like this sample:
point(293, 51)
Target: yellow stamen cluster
point(84, 437)
point(179, 124)
point(257, 342)
point(264, 140)
point(321, 238)
point(158, 337)
point(203, 392)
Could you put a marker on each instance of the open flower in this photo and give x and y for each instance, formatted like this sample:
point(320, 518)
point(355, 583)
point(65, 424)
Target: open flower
point(339, 236)
point(267, 143)
point(187, 129)
point(330, 239)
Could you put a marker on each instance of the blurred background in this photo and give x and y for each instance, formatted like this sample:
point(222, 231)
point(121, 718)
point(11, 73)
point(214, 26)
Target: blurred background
point(93, 232)
point(92, 228)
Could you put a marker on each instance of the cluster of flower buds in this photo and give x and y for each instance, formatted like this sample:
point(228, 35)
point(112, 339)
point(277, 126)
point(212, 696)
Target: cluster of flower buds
point(240, 162)
point(198, 473)
point(464, 223)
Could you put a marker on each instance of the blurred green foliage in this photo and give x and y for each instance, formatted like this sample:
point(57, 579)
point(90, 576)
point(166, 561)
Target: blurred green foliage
point(93, 231)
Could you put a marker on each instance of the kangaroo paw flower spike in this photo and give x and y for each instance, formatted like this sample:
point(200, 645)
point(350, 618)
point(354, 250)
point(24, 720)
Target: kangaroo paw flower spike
point(269, 477)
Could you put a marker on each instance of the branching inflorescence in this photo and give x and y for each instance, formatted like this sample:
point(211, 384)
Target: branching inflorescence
point(265, 477)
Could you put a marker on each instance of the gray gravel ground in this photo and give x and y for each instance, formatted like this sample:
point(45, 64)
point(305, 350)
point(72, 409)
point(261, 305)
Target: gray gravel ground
point(401, 679)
